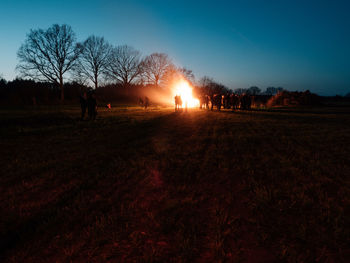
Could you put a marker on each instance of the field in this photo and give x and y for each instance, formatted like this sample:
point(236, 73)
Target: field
point(158, 186)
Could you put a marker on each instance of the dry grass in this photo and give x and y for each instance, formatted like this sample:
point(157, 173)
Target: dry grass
point(159, 186)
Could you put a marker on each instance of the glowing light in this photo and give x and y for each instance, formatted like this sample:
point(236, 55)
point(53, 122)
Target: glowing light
point(183, 89)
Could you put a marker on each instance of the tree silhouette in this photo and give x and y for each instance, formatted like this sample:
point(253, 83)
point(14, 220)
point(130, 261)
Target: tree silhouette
point(279, 89)
point(205, 81)
point(210, 87)
point(240, 91)
point(154, 67)
point(3, 82)
point(124, 65)
point(93, 60)
point(187, 74)
point(170, 75)
point(49, 54)
point(270, 91)
point(254, 90)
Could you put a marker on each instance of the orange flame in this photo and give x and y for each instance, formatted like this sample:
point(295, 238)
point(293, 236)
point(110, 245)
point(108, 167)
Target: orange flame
point(184, 89)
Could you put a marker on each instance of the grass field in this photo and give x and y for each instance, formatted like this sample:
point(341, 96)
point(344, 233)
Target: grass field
point(159, 186)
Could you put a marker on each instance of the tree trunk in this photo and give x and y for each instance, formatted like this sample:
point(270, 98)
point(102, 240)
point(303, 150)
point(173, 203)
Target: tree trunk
point(96, 81)
point(62, 89)
point(125, 86)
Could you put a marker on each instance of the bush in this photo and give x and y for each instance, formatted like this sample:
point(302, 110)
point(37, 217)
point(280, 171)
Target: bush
point(288, 98)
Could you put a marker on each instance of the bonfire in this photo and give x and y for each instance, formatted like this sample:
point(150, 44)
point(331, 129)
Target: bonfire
point(183, 88)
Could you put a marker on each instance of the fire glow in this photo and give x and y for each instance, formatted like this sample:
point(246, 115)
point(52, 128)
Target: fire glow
point(183, 89)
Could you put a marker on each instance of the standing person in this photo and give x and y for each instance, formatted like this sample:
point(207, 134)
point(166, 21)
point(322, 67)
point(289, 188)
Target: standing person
point(141, 102)
point(244, 101)
point(207, 102)
point(83, 104)
point(176, 103)
point(227, 101)
point(146, 102)
point(234, 101)
point(92, 106)
point(249, 102)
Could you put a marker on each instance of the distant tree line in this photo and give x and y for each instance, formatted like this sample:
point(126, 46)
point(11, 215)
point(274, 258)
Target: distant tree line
point(288, 98)
point(53, 54)
point(54, 66)
point(257, 91)
point(31, 92)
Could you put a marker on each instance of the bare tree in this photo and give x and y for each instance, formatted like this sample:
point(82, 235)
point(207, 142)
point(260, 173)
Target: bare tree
point(173, 74)
point(155, 66)
point(93, 60)
point(170, 75)
point(187, 74)
point(240, 91)
point(270, 91)
point(49, 54)
point(254, 90)
point(3, 81)
point(205, 84)
point(279, 89)
point(124, 65)
point(211, 87)
point(205, 81)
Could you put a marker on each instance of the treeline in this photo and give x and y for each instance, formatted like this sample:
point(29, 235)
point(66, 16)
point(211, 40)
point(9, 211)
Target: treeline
point(54, 67)
point(30, 92)
point(53, 55)
point(287, 98)
point(50, 57)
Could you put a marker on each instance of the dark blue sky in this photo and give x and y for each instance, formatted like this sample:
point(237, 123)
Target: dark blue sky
point(298, 45)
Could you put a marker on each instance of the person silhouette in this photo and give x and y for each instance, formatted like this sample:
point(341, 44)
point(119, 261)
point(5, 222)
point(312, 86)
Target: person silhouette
point(176, 103)
point(92, 106)
point(146, 102)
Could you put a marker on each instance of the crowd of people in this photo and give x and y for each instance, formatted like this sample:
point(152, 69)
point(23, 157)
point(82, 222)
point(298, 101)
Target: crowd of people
point(178, 103)
point(227, 101)
point(144, 102)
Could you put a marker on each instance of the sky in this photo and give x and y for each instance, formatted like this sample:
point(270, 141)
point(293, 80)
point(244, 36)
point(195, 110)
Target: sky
point(297, 45)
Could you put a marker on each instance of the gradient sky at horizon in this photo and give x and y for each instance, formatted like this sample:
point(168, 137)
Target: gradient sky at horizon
point(297, 45)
